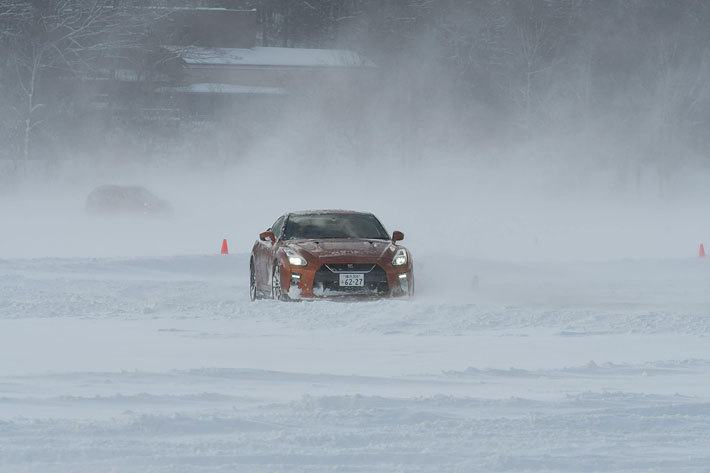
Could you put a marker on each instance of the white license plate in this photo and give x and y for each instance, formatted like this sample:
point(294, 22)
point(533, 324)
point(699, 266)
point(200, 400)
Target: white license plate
point(352, 280)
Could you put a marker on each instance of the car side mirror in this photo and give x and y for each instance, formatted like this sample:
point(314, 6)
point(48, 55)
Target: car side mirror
point(267, 234)
point(397, 236)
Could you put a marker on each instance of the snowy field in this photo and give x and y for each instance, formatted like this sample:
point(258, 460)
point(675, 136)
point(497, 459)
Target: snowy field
point(161, 364)
point(547, 334)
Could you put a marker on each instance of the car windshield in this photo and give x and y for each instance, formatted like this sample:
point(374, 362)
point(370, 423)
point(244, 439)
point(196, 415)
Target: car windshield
point(321, 226)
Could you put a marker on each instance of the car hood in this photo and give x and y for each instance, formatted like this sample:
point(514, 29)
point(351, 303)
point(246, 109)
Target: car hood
point(371, 249)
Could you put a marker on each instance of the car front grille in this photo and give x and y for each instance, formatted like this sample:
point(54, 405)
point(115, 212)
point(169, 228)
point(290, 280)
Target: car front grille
point(350, 267)
point(327, 280)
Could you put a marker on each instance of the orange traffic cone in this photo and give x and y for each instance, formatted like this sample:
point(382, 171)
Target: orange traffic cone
point(701, 253)
point(225, 251)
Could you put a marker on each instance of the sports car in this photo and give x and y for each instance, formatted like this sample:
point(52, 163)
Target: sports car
point(329, 253)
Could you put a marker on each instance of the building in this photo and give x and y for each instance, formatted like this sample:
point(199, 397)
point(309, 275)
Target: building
point(203, 64)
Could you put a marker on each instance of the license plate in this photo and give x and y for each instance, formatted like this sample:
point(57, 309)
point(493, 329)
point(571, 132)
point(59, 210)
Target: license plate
point(352, 280)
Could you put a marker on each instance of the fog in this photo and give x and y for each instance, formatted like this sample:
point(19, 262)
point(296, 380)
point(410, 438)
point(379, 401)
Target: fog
point(452, 208)
point(463, 167)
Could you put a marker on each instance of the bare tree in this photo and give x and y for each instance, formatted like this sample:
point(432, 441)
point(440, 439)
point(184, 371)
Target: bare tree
point(60, 41)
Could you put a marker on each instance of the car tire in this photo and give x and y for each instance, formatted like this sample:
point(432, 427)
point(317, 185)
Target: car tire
point(252, 282)
point(276, 290)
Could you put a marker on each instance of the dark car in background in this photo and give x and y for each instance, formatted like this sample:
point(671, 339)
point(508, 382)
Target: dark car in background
point(115, 200)
point(329, 253)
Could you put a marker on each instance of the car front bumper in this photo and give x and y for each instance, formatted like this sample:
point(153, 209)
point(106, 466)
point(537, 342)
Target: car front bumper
point(322, 280)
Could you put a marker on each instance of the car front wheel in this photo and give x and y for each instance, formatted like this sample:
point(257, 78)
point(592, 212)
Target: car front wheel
point(252, 281)
point(276, 290)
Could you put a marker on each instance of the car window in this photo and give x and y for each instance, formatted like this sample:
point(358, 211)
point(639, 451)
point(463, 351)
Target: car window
point(322, 226)
point(277, 227)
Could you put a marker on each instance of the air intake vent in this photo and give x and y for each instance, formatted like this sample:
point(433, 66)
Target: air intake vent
point(327, 281)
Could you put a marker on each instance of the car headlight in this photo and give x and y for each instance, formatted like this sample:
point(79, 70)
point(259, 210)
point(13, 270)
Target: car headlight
point(294, 258)
point(400, 258)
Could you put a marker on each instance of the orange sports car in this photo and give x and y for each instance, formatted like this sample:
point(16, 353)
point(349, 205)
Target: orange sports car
point(329, 253)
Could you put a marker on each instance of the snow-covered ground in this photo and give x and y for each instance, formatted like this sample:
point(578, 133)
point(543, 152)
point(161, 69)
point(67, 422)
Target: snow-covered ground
point(553, 330)
point(161, 364)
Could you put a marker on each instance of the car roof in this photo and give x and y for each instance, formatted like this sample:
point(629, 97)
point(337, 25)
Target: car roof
point(328, 211)
point(116, 187)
